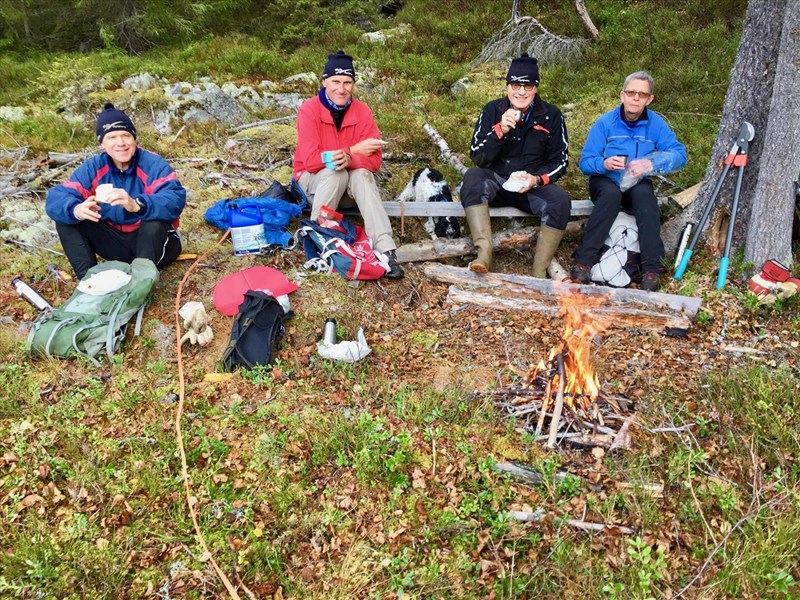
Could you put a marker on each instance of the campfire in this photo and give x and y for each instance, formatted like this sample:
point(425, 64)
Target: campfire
point(563, 395)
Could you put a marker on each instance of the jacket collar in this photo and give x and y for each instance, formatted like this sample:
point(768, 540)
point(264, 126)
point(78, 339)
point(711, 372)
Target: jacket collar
point(642, 117)
point(131, 167)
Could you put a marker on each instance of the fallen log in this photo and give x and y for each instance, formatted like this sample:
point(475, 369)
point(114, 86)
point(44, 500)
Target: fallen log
point(444, 248)
point(664, 313)
point(55, 159)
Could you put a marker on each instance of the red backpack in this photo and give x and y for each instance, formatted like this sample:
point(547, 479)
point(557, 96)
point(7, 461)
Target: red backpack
point(345, 249)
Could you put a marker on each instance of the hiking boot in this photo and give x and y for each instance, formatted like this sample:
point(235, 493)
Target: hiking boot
point(650, 282)
point(580, 274)
point(395, 271)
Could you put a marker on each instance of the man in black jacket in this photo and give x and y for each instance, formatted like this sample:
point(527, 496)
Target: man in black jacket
point(520, 149)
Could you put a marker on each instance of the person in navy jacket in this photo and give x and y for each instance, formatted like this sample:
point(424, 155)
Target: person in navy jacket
point(137, 218)
point(624, 147)
point(520, 149)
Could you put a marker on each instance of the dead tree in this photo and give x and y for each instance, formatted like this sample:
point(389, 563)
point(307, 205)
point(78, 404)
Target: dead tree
point(524, 33)
point(761, 91)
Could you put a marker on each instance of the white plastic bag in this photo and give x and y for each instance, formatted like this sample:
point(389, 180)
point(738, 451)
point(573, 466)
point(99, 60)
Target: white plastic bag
point(347, 351)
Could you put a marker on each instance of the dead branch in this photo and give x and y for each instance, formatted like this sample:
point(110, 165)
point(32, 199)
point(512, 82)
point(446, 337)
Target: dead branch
point(586, 526)
point(526, 474)
point(524, 33)
point(751, 513)
point(623, 438)
point(444, 149)
point(559, 405)
point(260, 123)
point(587, 20)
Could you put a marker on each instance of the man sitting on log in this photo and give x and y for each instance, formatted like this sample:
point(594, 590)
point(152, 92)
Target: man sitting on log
point(339, 150)
point(520, 149)
point(121, 204)
point(624, 147)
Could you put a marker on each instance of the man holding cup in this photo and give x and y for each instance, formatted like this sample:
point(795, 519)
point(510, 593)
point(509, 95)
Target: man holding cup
point(338, 152)
point(121, 204)
point(519, 147)
point(624, 147)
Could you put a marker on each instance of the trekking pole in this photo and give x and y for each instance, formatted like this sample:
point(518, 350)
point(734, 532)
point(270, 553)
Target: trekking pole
point(737, 156)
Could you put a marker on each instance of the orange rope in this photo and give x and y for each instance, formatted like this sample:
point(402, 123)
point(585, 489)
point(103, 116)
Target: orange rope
point(178, 433)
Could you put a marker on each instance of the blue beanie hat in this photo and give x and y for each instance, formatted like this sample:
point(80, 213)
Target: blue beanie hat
point(339, 64)
point(524, 69)
point(113, 119)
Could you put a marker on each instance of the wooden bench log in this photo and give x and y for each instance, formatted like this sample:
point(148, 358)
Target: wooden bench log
point(580, 208)
point(668, 314)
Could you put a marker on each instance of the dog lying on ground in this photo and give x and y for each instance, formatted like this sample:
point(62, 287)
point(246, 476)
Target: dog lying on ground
point(428, 185)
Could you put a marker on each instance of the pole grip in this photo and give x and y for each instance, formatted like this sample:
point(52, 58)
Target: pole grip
point(723, 272)
point(687, 254)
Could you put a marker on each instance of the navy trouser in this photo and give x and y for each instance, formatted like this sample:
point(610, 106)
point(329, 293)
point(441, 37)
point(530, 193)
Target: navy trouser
point(641, 201)
point(548, 202)
point(156, 240)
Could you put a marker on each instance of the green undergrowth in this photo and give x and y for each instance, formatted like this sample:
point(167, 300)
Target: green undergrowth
point(319, 479)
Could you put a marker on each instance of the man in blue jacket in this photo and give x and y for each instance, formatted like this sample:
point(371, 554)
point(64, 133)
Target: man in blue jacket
point(519, 147)
point(135, 211)
point(624, 147)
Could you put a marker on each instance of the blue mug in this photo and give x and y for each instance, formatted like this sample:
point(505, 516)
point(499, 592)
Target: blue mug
point(327, 158)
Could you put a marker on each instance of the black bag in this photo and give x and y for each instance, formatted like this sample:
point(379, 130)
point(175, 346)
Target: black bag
point(291, 193)
point(256, 331)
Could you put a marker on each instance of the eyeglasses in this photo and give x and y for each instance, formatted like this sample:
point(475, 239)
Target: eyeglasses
point(528, 87)
point(635, 94)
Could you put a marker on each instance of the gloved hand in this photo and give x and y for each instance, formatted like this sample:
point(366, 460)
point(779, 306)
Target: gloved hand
point(773, 282)
point(195, 321)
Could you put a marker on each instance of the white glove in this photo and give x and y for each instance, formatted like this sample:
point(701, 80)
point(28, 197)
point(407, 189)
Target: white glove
point(195, 321)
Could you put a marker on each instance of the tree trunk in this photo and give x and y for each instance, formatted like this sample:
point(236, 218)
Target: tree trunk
point(748, 99)
point(769, 231)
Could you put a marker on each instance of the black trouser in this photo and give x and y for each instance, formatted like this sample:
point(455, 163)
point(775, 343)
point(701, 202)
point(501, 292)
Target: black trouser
point(641, 201)
point(156, 240)
point(548, 202)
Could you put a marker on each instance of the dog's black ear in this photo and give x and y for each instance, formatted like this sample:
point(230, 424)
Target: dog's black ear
point(416, 176)
point(435, 175)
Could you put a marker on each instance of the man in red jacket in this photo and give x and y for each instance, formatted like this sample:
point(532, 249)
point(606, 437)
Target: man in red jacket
point(337, 124)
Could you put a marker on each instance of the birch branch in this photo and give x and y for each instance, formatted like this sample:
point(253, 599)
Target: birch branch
point(444, 149)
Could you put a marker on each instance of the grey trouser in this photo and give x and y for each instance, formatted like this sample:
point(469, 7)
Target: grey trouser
point(328, 187)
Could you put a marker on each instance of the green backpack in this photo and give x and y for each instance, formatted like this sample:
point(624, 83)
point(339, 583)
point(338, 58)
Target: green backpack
point(87, 323)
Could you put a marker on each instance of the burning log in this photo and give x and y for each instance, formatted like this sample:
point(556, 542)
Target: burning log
point(664, 313)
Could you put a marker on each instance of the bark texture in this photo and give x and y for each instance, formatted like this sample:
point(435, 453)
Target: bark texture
point(749, 98)
point(769, 229)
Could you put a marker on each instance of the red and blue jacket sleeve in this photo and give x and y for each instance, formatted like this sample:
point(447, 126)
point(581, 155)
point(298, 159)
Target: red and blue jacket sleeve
point(63, 198)
point(163, 196)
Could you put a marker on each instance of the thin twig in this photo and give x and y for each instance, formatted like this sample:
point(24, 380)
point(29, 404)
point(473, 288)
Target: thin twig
point(721, 543)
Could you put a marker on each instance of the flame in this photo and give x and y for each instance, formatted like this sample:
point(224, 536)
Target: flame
point(581, 325)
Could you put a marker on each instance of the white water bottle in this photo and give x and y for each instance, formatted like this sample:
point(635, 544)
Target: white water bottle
point(31, 295)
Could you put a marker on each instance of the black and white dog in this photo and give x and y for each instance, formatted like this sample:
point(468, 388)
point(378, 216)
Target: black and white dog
point(428, 185)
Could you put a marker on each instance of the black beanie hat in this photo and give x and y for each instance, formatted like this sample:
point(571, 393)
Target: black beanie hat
point(113, 119)
point(339, 64)
point(524, 69)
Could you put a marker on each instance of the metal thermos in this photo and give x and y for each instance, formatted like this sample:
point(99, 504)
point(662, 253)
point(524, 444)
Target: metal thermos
point(31, 295)
point(329, 333)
